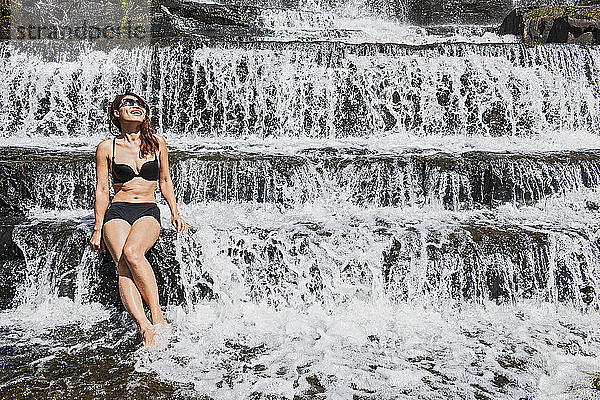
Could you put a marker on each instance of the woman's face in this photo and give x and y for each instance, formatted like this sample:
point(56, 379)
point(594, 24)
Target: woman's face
point(131, 110)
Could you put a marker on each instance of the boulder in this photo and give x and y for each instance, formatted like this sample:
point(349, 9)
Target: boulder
point(556, 24)
point(175, 18)
point(575, 29)
point(513, 22)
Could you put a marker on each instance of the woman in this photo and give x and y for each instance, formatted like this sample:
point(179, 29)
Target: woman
point(137, 159)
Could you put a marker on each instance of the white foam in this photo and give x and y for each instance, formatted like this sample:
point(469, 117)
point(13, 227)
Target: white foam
point(569, 377)
point(39, 213)
point(384, 144)
point(360, 22)
point(54, 312)
point(388, 349)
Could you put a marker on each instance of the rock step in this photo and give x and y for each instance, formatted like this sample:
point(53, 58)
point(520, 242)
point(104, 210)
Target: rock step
point(332, 254)
point(319, 90)
point(254, 19)
point(50, 179)
point(244, 22)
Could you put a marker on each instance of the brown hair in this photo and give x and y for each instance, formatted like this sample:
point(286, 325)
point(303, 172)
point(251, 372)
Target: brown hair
point(149, 142)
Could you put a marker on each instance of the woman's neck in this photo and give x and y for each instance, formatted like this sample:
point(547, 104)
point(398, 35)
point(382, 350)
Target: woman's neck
point(131, 137)
point(131, 131)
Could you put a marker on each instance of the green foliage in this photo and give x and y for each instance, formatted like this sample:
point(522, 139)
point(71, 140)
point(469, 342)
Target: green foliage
point(560, 11)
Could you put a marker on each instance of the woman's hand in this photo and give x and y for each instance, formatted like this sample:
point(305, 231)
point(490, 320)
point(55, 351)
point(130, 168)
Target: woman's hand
point(96, 242)
point(178, 223)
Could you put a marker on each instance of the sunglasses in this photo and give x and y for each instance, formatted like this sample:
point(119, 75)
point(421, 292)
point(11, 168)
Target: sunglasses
point(132, 102)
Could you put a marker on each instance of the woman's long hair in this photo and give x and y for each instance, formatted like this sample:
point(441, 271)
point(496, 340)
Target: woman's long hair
point(149, 142)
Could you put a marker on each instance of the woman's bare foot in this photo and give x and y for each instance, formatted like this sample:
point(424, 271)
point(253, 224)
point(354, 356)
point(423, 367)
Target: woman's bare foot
point(147, 336)
point(162, 336)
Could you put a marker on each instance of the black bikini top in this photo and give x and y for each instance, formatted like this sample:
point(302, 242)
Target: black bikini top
point(124, 173)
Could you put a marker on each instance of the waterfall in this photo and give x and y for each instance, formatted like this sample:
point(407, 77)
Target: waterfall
point(325, 90)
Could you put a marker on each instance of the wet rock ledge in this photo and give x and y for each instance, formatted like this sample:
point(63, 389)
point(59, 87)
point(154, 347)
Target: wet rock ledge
point(555, 24)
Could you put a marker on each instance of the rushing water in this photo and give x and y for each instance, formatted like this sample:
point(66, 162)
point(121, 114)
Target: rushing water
point(320, 90)
point(377, 210)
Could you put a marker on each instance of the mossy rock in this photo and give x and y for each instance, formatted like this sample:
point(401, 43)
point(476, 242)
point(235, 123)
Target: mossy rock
point(590, 12)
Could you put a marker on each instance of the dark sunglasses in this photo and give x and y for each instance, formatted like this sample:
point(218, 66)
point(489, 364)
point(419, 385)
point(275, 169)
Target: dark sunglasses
point(132, 102)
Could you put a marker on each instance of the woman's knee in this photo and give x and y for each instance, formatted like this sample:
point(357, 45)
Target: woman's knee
point(132, 255)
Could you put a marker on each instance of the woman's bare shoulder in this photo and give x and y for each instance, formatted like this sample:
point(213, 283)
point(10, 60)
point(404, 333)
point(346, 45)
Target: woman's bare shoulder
point(161, 140)
point(162, 143)
point(105, 142)
point(104, 147)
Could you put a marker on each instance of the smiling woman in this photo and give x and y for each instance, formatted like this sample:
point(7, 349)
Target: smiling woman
point(130, 224)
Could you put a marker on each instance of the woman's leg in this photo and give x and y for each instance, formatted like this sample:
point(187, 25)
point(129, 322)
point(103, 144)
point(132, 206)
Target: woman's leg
point(143, 234)
point(115, 234)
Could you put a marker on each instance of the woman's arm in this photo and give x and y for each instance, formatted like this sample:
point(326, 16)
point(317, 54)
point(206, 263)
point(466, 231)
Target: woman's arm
point(101, 195)
point(166, 186)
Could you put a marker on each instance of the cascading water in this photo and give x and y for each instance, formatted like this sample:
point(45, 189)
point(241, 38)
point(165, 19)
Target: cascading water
point(415, 216)
point(320, 90)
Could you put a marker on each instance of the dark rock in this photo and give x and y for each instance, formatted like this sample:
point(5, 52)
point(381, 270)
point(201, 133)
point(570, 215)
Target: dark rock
point(12, 262)
point(428, 12)
point(9, 251)
point(212, 13)
point(180, 18)
point(315, 384)
point(4, 19)
point(588, 294)
point(513, 22)
point(561, 31)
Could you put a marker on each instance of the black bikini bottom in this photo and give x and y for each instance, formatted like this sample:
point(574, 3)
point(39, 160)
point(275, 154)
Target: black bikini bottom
point(131, 212)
